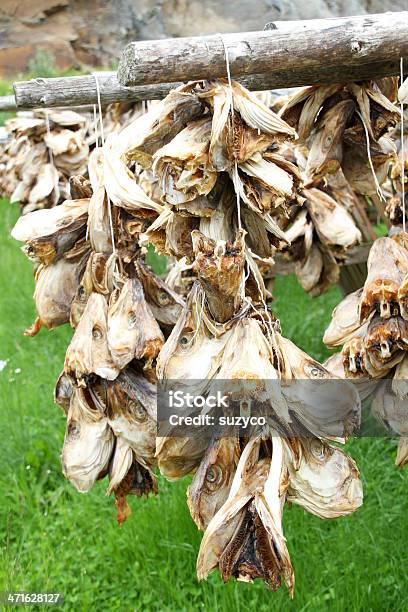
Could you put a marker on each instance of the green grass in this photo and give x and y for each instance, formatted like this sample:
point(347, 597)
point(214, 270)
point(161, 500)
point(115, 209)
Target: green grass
point(54, 539)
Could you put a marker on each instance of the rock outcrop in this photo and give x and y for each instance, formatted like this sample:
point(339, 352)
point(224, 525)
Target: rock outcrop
point(93, 32)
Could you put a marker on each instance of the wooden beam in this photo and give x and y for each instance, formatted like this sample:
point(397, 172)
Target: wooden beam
point(299, 50)
point(8, 103)
point(80, 91)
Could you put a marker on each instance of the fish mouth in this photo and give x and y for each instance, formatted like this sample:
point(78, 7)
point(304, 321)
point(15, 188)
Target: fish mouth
point(250, 554)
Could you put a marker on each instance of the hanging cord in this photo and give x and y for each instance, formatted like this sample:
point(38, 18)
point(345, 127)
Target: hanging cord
point(96, 127)
point(47, 123)
point(370, 161)
point(232, 125)
point(98, 93)
point(96, 147)
point(402, 148)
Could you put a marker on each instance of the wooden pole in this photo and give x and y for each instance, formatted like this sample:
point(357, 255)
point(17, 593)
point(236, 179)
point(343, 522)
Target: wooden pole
point(7, 103)
point(81, 90)
point(301, 49)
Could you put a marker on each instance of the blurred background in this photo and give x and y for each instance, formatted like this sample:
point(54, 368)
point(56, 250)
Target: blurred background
point(79, 33)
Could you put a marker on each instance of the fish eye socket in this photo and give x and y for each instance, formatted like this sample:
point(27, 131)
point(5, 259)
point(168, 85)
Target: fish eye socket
point(163, 298)
point(96, 333)
point(184, 340)
point(317, 449)
point(314, 371)
point(213, 476)
point(132, 319)
point(138, 412)
point(73, 430)
point(81, 293)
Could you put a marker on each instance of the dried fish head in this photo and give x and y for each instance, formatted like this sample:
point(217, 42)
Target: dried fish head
point(391, 412)
point(88, 352)
point(50, 233)
point(387, 266)
point(88, 443)
point(326, 482)
point(211, 483)
point(177, 457)
point(268, 181)
point(333, 223)
point(245, 538)
point(144, 136)
point(323, 404)
point(309, 270)
point(302, 107)
point(385, 341)
point(326, 152)
point(193, 351)
point(80, 187)
point(133, 332)
point(166, 305)
point(345, 320)
point(131, 412)
point(183, 166)
point(55, 288)
point(220, 268)
point(98, 277)
point(354, 356)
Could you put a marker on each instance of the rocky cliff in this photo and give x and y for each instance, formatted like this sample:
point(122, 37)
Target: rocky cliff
point(93, 32)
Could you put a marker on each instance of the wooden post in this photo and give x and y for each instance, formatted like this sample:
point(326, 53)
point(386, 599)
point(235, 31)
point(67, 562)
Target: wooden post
point(301, 49)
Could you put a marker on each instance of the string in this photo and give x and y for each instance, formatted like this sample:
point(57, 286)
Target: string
point(232, 125)
point(402, 147)
point(98, 93)
point(47, 123)
point(96, 127)
point(96, 147)
point(370, 161)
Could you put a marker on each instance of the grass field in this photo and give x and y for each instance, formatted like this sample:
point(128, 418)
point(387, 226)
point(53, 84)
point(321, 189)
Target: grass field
point(54, 539)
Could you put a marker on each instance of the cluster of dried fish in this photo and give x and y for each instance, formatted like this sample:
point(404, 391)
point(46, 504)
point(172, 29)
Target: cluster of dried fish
point(202, 177)
point(41, 150)
point(345, 151)
point(371, 326)
point(89, 273)
point(322, 234)
point(211, 153)
point(341, 124)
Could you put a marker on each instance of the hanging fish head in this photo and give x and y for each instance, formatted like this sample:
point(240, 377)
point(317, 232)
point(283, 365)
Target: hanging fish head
point(88, 442)
point(133, 332)
point(220, 268)
point(212, 481)
point(88, 352)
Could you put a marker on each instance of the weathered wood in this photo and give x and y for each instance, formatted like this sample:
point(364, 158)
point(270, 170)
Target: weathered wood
point(7, 103)
point(295, 47)
point(352, 277)
point(81, 90)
